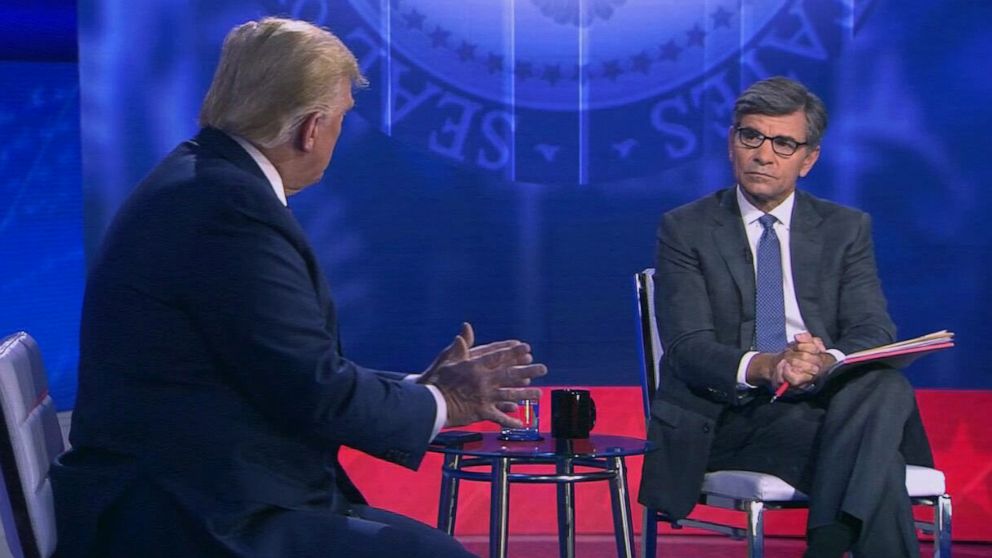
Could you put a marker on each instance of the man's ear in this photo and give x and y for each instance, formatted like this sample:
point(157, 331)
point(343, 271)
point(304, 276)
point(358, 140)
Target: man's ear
point(306, 135)
point(808, 161)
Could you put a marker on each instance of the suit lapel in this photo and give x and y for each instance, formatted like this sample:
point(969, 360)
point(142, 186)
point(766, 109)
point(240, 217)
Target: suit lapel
point(731, 241)
point(806, 244)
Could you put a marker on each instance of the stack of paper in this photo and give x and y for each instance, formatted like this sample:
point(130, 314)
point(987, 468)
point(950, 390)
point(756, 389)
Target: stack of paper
point(919, 345)
point(893, 355)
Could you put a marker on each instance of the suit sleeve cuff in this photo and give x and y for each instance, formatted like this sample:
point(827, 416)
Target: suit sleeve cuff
point(839, 356)
point(742, 384)
point(442, 410)
point(441, 415)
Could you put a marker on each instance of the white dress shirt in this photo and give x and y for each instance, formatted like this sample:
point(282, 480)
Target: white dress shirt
point(275, 181)
point(793, 319)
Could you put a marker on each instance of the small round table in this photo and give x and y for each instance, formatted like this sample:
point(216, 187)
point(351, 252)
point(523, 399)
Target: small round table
point(604, 454)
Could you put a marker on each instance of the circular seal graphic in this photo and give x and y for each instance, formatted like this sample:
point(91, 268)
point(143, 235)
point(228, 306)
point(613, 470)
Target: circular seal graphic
point(621, 51)
point(573, 91)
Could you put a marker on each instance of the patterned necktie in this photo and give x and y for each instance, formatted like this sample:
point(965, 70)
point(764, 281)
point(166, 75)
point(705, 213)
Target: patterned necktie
point(769, 300)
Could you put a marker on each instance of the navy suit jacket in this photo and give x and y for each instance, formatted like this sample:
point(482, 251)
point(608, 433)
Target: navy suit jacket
point(210, 365)
point(704, 298)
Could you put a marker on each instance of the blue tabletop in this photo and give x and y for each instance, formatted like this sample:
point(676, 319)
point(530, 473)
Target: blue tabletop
point(597, 445)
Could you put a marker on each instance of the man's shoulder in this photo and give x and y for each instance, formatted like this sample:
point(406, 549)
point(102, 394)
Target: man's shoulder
point(211, 174)
point(709, 204)
point(828, 210)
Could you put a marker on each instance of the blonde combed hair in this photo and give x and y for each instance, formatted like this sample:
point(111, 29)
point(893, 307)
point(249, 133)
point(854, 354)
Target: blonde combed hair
point(272, 74)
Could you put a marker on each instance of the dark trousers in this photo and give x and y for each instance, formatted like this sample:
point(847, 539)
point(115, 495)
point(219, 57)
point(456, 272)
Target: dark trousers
point(146, 521)
point(846, 446)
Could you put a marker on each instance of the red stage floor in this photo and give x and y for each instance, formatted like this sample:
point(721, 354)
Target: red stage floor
point(681, 546)
point(957, 422)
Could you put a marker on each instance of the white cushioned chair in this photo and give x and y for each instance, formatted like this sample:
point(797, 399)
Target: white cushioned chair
point(753, 493)
point(31, 440)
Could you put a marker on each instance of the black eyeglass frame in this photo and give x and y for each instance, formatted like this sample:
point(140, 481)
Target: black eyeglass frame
point(774, 139)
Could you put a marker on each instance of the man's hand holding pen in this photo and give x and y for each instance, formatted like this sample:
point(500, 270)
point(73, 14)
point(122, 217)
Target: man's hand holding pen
point(802, 363)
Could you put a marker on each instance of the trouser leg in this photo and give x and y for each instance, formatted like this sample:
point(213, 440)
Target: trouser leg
point(915, 446)
point(366, 532)
point(889, 531)
point(858, 468)
point(777, 439)
point(844, 447)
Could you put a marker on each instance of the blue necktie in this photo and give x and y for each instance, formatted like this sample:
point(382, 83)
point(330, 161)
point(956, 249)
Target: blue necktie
point(769, 300)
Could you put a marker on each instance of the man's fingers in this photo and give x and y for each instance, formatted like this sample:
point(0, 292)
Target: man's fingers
point(800, 371)
point(506, 406)
point(476, 352)
point(806, 347)
point(808, 343)
point(456, 351)
point(467, 334)
point(819, 344)
point(798, 376)
point(507, 356)
point(494, 414)
point(795, 373)
point(778, 376)
point(517, 394)
point(516, 376)
point(799, 358)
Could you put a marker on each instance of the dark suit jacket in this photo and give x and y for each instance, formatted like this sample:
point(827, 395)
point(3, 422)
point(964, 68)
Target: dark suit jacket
point(210, 366)
point(704, 289)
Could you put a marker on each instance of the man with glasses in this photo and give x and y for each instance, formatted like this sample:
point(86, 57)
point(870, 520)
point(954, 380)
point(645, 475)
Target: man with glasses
point(761, 285)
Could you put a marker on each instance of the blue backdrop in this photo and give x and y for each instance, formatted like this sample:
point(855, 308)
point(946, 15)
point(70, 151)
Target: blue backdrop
point(509, 161)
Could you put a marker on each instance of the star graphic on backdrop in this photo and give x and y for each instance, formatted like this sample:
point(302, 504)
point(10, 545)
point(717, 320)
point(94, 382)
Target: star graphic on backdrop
point(971, 484)
point(670, 51)
point(548, 151)
point(439, 37)
point(552, 74)
point(641, 62)
point(721, 17)
point(696, 35)
point(523, 70)
point(611, 69)
point(466, 51)
point(494, 63)
point(414, 19)
point(623, 147)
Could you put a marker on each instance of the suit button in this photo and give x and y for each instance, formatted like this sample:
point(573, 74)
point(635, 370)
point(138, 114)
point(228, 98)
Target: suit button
point(706, 429)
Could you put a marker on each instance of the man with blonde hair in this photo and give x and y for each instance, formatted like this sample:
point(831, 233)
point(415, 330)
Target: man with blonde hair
point(213, 395)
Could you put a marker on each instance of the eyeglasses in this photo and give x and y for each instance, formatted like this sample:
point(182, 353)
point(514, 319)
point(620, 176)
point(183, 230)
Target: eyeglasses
point(782, 145)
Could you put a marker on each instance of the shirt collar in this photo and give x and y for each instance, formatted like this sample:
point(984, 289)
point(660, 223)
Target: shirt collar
point(782, 212)
point(268, 169)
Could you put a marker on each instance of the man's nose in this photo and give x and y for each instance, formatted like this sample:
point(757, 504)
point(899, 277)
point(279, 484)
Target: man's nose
point(764, 153)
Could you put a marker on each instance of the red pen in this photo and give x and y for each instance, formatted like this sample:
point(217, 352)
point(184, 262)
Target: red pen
point(782, 388)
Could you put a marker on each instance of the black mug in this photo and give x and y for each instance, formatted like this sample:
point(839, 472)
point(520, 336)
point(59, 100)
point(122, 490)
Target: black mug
point(573, 413)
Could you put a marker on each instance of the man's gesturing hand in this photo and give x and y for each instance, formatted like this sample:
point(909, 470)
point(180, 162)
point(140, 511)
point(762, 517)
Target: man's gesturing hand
point(461, 349)
point(476, 383)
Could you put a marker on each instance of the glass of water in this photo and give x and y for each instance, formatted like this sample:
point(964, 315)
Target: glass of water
point(528, 412)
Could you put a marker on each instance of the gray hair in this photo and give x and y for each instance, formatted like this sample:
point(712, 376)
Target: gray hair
point(272, 74)
point(779, 96)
